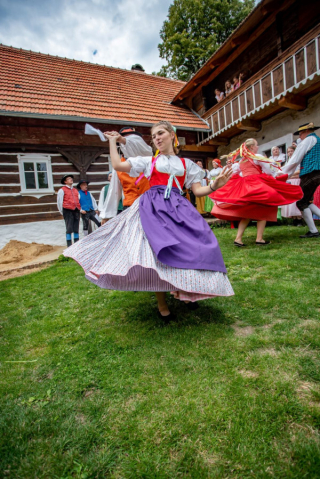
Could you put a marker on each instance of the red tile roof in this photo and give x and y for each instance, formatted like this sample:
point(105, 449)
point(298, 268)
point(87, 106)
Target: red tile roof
point(39, 84)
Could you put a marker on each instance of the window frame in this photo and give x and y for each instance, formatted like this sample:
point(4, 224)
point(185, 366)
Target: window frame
point(35, 158)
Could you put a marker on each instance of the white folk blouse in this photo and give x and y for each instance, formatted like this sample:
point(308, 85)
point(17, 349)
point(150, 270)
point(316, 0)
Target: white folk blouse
point(170, 164)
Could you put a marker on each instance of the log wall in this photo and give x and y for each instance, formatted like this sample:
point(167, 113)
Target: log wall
point(17, 208)
point(28, 135)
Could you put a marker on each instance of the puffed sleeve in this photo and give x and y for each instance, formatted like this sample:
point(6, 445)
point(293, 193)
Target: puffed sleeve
point(194, 174)
point(140, 164)
point(269, 168)
point(135, 146)
point(236, 169)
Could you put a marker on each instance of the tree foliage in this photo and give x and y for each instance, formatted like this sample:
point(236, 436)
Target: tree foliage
point(194, 30)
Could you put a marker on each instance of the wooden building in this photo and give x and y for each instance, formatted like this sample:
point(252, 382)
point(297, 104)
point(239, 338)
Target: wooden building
point(277, 48)
point(45, 102)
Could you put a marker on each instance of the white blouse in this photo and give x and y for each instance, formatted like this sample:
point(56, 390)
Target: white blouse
point(215, 172)
point(267, 168)
point(167, 164)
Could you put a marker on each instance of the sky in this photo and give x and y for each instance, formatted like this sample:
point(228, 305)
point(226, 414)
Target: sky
point(117, 33)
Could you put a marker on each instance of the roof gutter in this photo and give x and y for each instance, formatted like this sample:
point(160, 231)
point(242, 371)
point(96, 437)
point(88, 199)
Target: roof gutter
point(99, 120)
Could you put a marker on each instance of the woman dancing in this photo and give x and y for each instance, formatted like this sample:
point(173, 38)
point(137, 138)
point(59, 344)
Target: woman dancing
point(253, 193)
point(161, 243)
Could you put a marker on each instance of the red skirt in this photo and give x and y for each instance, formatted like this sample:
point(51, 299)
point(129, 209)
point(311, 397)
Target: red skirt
point(256, 197)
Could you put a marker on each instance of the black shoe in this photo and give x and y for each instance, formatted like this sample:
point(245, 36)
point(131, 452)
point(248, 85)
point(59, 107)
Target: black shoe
point(75, 240)
point(240, 245)
point(193, 306)
point(166, 319)
point(69, 243)
point(310, 235)
point(262, 243)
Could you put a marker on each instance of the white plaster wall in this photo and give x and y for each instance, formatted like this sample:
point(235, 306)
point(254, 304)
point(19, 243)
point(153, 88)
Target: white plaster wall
point(284, 123)
point(45, 232)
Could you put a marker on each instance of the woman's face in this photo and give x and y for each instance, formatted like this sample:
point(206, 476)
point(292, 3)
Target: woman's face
point(162, 138)
point(254, 148)
point(228, 84)
point(199, 163)
point(290, 152)
point(275, 151)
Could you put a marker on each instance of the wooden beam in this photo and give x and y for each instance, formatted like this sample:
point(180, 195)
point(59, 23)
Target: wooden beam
point(203, 149)
point(219, 141)
point(249, 125)
point(269, 7)
point(293, 102)
point(238, 40)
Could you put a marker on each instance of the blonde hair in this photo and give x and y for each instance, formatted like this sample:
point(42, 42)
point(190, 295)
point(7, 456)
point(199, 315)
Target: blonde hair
point(250, 142)
point(167, 126)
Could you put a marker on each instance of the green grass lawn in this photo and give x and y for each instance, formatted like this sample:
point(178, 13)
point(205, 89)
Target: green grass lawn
point(94, 386)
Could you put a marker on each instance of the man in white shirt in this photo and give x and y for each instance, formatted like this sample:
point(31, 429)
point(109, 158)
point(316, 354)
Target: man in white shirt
point(122, 185)
point(307, 156)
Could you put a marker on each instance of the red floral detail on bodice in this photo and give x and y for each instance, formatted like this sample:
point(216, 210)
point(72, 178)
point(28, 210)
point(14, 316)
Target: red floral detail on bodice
point(248, 167)
point(157, 178)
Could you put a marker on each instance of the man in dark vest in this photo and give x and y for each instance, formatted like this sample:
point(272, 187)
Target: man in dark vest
point(69, 207)
point(307, 157)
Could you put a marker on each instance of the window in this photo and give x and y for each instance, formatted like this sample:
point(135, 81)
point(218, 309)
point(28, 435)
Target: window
point(35, 174)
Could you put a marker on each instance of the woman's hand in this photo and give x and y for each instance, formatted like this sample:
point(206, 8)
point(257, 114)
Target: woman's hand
point(222, 178)
point(114, 136)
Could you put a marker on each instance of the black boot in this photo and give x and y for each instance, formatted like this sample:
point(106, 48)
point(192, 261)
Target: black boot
point(69, 243)
point(75, 240)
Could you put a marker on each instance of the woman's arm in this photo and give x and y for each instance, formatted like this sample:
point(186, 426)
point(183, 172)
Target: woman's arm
point(220, 181)
point(116, 162)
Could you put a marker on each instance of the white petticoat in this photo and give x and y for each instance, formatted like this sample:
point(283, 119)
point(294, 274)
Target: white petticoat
point(118, 256)
point(288, 211)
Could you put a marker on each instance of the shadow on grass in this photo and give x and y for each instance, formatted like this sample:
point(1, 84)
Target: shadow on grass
point(147, 313)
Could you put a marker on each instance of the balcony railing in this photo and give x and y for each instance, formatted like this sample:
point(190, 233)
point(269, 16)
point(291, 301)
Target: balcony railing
point(286, 76)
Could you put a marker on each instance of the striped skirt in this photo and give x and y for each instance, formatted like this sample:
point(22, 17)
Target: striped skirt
point(118, 256)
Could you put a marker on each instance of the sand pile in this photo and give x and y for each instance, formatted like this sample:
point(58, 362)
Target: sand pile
point(16, 252)
point(18, 258)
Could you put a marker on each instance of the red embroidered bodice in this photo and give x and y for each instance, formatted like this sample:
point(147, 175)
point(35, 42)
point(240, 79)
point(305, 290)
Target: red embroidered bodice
point(248, 167)
point(158, 178)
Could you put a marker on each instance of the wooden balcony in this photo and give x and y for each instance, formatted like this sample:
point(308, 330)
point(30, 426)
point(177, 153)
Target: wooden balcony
point(284, 83)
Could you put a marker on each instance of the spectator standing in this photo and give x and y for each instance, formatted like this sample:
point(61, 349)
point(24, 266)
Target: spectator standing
point(69, 206)
point(200, 201)
point(277, 156)
point(228, 88)
point(89, 207)
point(236, 83)
point(219, 95)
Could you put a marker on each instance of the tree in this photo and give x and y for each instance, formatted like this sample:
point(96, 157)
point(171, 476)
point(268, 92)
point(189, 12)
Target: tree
point(194, 30)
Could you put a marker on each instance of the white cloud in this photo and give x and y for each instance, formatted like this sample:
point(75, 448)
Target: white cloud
point(123, 32)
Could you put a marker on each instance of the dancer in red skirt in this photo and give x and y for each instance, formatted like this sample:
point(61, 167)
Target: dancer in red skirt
point(254, 192)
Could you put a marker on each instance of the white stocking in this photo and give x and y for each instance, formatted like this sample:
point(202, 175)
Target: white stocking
point(307, 216)
point(315, 210)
